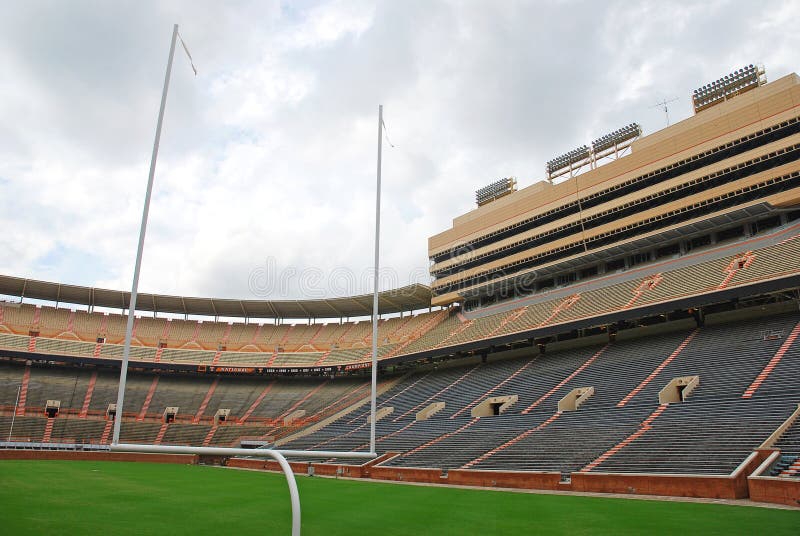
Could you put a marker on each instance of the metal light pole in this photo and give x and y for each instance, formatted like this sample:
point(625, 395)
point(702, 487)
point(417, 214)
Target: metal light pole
point(375, 287)
point(123, 374)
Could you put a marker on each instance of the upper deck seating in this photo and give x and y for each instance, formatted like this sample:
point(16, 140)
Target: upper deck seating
point(729, 265)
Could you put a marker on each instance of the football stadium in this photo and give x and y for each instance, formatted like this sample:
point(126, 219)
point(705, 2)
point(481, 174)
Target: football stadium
point(626, 328)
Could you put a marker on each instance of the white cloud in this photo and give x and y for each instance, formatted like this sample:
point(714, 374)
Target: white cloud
point(328, 22)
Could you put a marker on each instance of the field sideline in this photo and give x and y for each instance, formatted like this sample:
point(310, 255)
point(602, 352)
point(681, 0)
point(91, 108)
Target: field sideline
point(72, 497)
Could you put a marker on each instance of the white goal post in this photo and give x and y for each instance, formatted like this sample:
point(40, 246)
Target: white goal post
point(277, 455)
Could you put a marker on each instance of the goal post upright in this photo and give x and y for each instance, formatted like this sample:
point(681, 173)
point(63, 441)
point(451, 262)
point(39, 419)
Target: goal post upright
point(140, 249)
point(374, 379)
point(277, 454)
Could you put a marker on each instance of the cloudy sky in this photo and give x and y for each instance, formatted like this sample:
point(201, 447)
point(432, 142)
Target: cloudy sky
point(265, 181)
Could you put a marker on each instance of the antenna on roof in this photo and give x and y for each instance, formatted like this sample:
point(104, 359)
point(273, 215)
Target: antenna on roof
point(663, 105)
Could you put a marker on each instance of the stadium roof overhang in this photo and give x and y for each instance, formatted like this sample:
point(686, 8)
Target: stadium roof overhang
point(408, 298)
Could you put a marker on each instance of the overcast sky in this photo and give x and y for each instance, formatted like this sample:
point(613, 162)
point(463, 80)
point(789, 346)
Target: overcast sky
point(266, 176)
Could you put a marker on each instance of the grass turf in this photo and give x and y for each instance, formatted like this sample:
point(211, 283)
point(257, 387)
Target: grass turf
point(65, 497)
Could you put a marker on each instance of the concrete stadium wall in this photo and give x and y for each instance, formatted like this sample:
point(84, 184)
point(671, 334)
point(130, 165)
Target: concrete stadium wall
point(712, 487)
point(667, 485)
point(408, 474)
point(186, 459)
point(736, 486)
point(300, 468)
point(765, 488)
point(505, 479)
point(776, 490)
point(321, 469)
point(330, 469)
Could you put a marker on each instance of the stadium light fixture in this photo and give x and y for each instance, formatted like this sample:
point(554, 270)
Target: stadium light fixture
point(495, 190)
point(616, 138)
point(730, 85)
point(567, 160)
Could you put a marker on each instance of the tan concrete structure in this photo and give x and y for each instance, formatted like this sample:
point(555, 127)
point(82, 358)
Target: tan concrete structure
point(488, 406)
point(221, 415)
point(381, 413)
point(429, 411)
point(573, 400)
point(733, 136)
point(293, 416)
point(678, 389)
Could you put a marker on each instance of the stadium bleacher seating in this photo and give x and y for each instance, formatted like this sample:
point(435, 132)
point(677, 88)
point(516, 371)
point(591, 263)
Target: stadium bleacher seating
point(622, 428)
point(712, 432)
point(82, 410)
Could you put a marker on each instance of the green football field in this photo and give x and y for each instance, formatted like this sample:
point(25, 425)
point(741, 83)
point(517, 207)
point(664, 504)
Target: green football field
point(58, 497)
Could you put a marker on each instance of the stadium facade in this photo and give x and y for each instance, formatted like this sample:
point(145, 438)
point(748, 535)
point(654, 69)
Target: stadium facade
point(727, 172)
